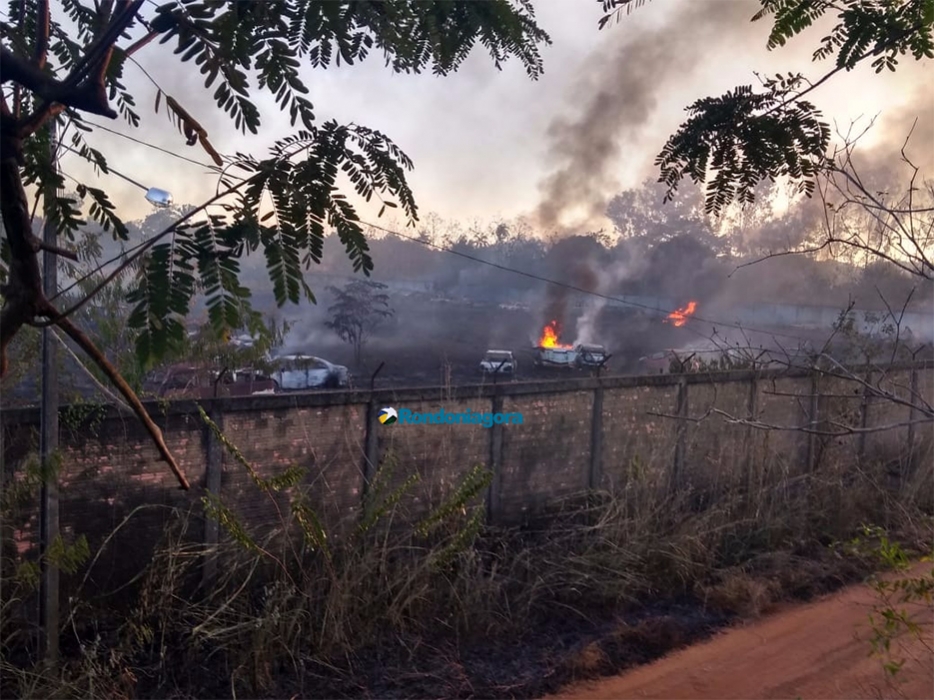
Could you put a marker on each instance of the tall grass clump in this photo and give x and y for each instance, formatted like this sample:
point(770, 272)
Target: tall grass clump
point(401, 603)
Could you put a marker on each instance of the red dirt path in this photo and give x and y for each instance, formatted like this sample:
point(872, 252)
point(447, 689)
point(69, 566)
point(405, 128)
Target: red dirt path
point(817, 650)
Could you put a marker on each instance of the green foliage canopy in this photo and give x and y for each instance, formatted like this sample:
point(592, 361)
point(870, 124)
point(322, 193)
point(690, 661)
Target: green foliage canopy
point(242, 50)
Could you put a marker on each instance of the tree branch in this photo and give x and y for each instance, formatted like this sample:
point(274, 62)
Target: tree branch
point(23, 291)
point(117, 379)
point(38, 244)
point(43, 20)
point(37, 119)
point(103, 44)
point(85, 98)
point(136, 46)
point(100, 386)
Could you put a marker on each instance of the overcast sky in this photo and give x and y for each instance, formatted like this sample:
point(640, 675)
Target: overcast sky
point(490, 143)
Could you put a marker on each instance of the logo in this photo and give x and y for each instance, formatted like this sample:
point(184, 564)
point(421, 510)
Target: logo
point(407, 416)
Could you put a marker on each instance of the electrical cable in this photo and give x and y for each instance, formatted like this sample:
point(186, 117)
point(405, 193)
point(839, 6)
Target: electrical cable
point(580, 290)
point(570, 287)
point(208, 166)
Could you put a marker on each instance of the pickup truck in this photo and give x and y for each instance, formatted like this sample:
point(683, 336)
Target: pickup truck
point(498, 361)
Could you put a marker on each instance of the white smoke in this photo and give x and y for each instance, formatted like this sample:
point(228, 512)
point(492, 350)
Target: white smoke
point(608, 282)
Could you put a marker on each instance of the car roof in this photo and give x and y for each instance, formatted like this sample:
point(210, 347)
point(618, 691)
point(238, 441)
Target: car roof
point(299, 356)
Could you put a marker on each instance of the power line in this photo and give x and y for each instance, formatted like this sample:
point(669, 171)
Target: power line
point(504, 268)
point(574, 288)
point(152, 146)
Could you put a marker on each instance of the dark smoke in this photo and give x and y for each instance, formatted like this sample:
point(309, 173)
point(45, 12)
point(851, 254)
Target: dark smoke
point(909, 127)
point(620, 97)
point(580, 275)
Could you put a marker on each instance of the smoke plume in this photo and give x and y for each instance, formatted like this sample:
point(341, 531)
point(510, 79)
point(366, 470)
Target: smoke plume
point(609, 280)
point(555, 310)
point(619, 99)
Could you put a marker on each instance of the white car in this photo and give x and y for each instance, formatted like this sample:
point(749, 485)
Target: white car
point(297, 372)
point(498, 361)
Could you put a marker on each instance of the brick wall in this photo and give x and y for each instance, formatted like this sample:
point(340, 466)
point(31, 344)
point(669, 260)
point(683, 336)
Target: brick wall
point(576, 434)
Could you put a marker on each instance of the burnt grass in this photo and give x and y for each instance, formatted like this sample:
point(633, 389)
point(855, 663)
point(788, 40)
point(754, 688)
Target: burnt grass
point(547, 657)
point(558, 647)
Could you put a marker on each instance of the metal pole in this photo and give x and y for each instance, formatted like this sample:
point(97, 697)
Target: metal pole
point(48, 439)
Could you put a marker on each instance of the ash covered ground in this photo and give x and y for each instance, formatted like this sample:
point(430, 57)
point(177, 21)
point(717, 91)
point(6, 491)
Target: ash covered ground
point(434, 341)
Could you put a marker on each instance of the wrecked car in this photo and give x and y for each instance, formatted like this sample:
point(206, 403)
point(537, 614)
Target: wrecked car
point(200, 381)
point(498, 361)
point(589, 356)
point(299, 372)
point(555, 357)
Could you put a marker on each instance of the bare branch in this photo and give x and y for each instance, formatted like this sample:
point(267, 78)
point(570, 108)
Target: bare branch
point(844, 429)
point(38, 244)
point(88, 346)
point(100, 386)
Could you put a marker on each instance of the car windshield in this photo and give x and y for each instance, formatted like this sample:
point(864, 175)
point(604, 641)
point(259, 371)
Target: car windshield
point(498, 356)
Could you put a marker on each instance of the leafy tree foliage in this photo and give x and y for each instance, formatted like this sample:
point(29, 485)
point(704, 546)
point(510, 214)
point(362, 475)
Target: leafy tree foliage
point(360, 307)
point(281, 204)
point(735, 141)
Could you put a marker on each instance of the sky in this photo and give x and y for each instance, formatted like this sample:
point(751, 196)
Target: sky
point(491, 144)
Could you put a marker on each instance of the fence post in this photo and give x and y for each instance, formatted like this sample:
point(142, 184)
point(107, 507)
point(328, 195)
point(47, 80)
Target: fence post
point(863, 420)
point(494, 491)
point(752, 414)
point(913, 412)
point(681, 443)
point(213, 472)
point(370, 443)
point(595, 474)
point(813, 419)
point(370, 448)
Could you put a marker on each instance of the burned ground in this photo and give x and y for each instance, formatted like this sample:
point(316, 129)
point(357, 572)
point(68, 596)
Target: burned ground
point(436, 342)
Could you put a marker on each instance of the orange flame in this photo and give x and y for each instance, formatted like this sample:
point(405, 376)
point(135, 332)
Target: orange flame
point(680, 316)
point(550, 336)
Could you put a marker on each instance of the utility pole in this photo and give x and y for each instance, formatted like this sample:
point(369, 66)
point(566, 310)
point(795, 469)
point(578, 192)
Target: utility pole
point(48, 438)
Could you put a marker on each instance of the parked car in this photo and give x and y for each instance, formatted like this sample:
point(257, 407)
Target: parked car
point(204, 382)
point(591, 355)
point(498, 361)
point(298, 372)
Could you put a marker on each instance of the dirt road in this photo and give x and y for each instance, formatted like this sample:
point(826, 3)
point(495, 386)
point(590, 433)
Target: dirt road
point(817, 650)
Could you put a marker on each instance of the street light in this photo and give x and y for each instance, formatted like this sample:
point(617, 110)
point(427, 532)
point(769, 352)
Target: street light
point(48, 422)
point(155, 196)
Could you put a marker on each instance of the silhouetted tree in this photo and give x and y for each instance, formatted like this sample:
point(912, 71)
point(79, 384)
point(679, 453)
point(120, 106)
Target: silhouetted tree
point(360, 307)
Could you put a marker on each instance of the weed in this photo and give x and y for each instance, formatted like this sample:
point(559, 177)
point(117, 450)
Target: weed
point(900, 601)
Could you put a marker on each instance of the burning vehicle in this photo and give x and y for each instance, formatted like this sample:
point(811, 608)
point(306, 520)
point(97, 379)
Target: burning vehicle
point(498, 361)
point(300, 372)
point(551, 353)
point(679, 317)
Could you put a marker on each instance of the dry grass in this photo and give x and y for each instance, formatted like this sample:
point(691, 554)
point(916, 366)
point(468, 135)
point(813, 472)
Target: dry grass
point(458, 610)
